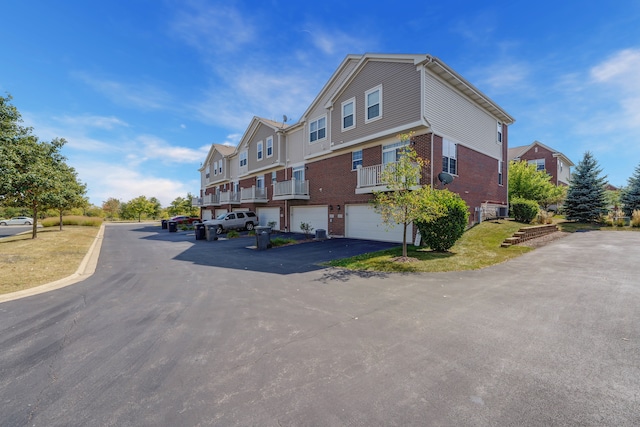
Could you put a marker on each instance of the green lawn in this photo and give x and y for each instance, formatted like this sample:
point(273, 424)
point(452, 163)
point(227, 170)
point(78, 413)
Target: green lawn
point(479, 247)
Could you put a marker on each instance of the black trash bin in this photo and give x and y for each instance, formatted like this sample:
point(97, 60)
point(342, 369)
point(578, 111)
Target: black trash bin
point(263, 237)
point(173, 226)
point(164, 224)
point(200, 231)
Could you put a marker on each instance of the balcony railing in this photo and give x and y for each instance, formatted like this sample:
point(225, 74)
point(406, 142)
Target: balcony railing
point(196, 201)
point(229, 197)
point(206, 200)
point(253, 195)
point(370, 178)
point(293, 189)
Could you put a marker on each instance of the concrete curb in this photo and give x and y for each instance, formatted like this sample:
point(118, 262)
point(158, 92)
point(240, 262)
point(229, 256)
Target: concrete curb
point(86, 269)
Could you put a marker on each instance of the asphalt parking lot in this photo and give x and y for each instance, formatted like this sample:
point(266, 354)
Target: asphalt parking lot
point(12, 230)
point(164, 333)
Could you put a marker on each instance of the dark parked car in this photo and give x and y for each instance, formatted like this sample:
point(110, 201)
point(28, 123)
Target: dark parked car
point(183, 219)
point(234, 221)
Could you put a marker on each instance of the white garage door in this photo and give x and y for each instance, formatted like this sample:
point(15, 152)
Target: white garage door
point(267, 215)
point(206, 214)
point(363, 222)
point(317, 216)
point(220, 212)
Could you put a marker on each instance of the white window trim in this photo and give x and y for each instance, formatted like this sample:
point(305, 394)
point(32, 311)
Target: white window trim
point(393, 147)
point(455, 144)
point(316, 120)
point(215, 168)
point(220, 167)
point(366, 106)
point(499, 135)
point(259, 179)
point(243, 157)
point(269, 145)
point(351, 101)
point(259, 150)
point(361, 155)
point(500, 173)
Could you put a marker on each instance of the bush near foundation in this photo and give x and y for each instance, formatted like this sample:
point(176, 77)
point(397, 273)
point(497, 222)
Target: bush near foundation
point(524, 210)
point(441, 233)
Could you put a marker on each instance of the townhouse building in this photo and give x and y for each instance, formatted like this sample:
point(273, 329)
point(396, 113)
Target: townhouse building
point(546, 159)
point(323, 169)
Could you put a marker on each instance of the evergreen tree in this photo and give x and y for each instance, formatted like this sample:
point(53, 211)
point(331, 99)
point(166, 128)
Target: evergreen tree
point(586, 198)
point(631, 195)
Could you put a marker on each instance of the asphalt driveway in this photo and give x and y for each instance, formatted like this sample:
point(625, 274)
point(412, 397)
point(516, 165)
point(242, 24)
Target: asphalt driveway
point(164, 333)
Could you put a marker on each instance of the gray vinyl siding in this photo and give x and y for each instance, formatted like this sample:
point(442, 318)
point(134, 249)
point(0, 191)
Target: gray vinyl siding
point(295, 146)
point(262, 133)
point(453, 115)
point(400, 99)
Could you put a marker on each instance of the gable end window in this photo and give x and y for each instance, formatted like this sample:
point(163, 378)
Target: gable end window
point(373, 104)
point(220, 167)
point(349, 114)
point(259, 150)
point(269, 147)
point(499, 132)
point(449, 157)
point(540, 164)
point(243, 159)
point(318, 129)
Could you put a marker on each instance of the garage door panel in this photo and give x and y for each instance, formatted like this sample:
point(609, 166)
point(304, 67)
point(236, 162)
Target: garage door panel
point(266, 215)
point(363, 222)
point(316, 216)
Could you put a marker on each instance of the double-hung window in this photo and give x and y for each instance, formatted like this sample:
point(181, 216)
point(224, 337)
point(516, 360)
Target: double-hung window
point(207, 173)
point(260, 151)
point(260, 181)
point(269, 146)
point(243, 159)
point(356, 159)
point(391, 153)
point(215, 168)
point(373, 104)
point(349, 114)
point(220, 167)
point(318, 129)
point(540, 164)
point(499, 132)
point(449, 157)
point(500, 166)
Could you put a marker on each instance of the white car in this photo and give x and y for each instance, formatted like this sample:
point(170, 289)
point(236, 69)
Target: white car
point(17, 220)
point(233, 220)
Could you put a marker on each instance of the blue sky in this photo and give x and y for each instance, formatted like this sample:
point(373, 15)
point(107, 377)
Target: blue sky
point(141, 88)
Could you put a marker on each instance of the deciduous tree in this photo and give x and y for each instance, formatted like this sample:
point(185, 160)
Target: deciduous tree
point(405, 200)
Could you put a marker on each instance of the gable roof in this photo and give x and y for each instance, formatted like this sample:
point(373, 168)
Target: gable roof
point(253, 128)
point(225, 150)
point(516, 152)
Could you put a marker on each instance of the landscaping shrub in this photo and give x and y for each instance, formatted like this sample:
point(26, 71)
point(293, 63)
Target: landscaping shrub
point(281, 241)
point(441, 233)
point(232, 234)
point(524, 210)
point(635, 218)
point(544, 217)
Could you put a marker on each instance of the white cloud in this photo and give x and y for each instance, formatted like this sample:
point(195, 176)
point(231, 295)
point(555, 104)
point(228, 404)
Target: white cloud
point(106, 180)
point(92, 121)
point(144, 96)
point(152, 147)
point(219, 28)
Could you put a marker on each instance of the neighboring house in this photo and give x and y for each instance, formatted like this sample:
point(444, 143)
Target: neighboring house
point(556, 164)
point(324, 169)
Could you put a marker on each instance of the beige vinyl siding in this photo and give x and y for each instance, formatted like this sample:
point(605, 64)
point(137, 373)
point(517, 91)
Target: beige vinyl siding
point(262, 133)
point(400, 99)
point(453, 115)
point(295, 146)
point(319, 109)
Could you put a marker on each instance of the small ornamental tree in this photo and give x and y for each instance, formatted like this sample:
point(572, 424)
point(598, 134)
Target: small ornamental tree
point(586, 199)
point(441, 233)
point(405, 200)
point(630, 198)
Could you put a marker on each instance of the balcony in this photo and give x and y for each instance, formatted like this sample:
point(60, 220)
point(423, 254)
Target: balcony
point(289, 190)
point(253, 195)
point(370, 179)
point(230, 197)
point(206, 200)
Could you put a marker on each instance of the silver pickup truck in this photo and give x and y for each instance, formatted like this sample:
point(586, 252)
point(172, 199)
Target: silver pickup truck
point(233, 221)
